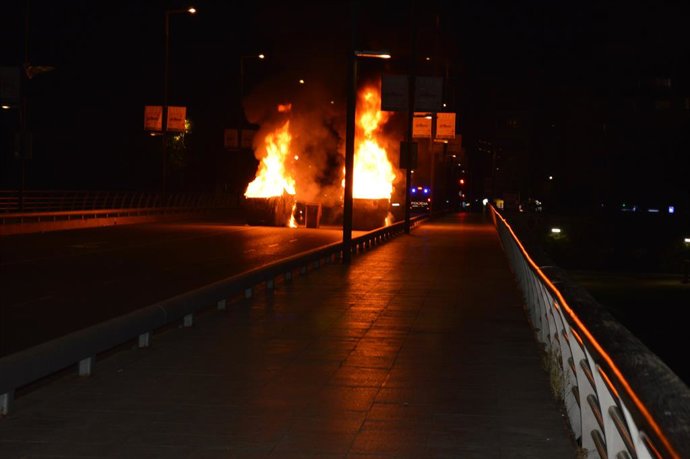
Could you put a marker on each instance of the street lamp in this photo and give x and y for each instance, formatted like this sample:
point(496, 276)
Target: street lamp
point(242, 58)
point(350, 144)
point(168, 13)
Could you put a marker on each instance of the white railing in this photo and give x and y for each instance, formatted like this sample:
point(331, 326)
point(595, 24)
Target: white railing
point(44, 201)
point(630, 407)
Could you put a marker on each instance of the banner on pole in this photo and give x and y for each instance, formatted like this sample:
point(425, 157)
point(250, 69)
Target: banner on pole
point(176, 119)
point(153, 118)
point(445, 125)
point(421, 127)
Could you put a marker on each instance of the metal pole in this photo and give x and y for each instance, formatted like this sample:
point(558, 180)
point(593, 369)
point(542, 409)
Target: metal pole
point(410, 115)
point(24, 112)
point(350, 143)
point(241, 83)
point(240, 107)
point(432, 178)
point(165, 105)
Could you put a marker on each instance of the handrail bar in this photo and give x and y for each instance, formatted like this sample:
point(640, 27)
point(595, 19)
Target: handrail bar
point(563, 332)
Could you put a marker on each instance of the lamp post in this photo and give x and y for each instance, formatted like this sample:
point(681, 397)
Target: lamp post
point(241, 119)
point(242, 58)
point(168, 13)
point(350, 144)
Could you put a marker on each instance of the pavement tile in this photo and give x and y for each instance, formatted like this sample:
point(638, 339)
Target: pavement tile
point(419, 348)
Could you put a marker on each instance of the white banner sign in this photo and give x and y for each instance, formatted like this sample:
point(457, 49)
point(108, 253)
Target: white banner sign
point(394, 93)
point(231, 138)
point(428, 94)
point(445, 125)
point(248, 138)
point(176, 118)
point(153, 118)
point(421, 127)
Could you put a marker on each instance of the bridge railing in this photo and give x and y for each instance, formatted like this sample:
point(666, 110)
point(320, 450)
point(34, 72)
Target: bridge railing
point(81, 348)
point(621, 400)
point(32, 211)
point(38, 201)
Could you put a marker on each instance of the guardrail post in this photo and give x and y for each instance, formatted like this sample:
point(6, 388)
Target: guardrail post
point(188, 320)
point(270, 284)
point(248, 293)
point(288, 275)
point(221, 305)
point(6, 401)
point(144, 339)
point(86, 366)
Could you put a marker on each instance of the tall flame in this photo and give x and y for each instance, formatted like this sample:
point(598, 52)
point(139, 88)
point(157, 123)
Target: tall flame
point(373, 173)
point(272, 178)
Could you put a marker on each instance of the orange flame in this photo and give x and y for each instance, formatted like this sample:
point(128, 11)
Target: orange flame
point(373, 173)
point(272, 178)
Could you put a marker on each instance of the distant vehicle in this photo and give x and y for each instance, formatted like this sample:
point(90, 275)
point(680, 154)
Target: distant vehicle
point(420, 198)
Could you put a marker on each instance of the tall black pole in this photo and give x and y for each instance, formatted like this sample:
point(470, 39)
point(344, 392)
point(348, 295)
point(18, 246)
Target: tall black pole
point(241, 88)
point(164, 156)
point(410, 115)
point(24, 137)
point(350, 141)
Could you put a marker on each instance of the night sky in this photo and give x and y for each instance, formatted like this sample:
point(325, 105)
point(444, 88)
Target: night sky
point(598, 94)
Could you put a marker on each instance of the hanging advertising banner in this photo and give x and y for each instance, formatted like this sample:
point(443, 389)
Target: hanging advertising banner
point(394, 93)
point(445, 125)
point(153, 118)
point(247, 139)
point(428, 94)
point(10, 80)
point(231, 139)
point(176, 119)
point(421, 127)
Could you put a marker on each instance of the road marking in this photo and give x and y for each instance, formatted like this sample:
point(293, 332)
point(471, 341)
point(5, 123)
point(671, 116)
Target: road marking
point(272, 245)
point(293, 240)
point(250, 250)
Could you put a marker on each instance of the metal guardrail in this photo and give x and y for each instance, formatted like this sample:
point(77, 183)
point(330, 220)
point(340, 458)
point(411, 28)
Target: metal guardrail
point(81, 347)
point(50, 201)
point(621, 400)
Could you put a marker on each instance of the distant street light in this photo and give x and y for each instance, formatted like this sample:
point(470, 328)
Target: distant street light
point(242, 59)
point(350, 142)
point(168, 13)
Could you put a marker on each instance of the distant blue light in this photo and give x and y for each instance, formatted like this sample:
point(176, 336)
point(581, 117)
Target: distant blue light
point(671, 209)
point(426, 190)
point(414, 190)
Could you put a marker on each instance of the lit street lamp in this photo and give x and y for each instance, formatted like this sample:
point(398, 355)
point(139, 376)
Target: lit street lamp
point(242, 58)
point(241, 119)
point(350, 143)
point(168, 13)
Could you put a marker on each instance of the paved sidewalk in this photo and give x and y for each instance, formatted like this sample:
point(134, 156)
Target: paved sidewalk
point(419, 349)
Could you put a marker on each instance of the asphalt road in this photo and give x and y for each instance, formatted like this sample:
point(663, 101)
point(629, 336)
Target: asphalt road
point(58, 282)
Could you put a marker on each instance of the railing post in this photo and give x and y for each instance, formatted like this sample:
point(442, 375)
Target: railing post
point(86, 366)
point(6, 401)
point(188, 320)
point(144, 339)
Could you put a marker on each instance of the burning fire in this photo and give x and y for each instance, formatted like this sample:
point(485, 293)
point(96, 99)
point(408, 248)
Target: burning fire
point(272, 178)
point(373, 173)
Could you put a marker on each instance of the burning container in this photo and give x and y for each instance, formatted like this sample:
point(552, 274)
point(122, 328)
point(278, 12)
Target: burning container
point(369, 214)
point(271, 211)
